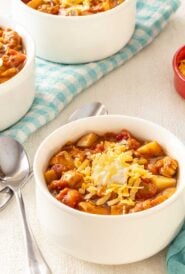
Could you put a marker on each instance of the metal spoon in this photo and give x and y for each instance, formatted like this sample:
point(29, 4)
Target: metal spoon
point(6, 193)
point(15, 169)
point(87, 110)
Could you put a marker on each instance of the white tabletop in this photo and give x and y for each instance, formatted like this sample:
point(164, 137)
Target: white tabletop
point(142, 87)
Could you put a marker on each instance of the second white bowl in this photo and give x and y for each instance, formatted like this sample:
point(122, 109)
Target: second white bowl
point(78, 39)
point(17, 94)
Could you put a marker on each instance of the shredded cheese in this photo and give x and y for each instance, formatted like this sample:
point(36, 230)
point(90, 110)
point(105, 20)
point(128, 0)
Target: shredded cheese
point(112, 171)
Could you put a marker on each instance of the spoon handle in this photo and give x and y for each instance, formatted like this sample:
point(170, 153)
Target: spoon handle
point(36, 262)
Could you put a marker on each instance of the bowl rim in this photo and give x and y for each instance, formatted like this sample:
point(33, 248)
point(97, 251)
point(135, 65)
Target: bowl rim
point(174, 62)
point(76, 17)
point(131, 216)
point(7, 85)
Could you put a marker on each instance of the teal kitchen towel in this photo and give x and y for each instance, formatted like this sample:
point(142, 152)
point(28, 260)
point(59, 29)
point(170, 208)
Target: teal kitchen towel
point(175, 259)
point(58, 84)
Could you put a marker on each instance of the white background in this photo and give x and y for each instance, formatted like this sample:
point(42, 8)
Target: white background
point(142, 87)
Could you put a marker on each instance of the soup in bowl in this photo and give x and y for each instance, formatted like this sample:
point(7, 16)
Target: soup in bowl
point(111, 174)
point(117, 230)
point(72, 8)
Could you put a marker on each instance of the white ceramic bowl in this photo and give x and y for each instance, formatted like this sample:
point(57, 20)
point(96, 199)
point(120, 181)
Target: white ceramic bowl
point(78, 39)
point(110, 239)
point(17, 94)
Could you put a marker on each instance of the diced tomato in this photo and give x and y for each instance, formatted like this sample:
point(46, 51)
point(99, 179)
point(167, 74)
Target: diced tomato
point(123, 135)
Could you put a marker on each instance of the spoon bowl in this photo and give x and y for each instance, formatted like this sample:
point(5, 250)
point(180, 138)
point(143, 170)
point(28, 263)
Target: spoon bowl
point(14, 164)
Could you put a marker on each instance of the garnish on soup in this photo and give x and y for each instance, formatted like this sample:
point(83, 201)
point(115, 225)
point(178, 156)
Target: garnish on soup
point(12, 56)
point(111, 174)
point(72, 7)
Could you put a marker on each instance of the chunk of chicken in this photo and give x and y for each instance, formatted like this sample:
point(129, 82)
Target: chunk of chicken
point(161, 197)
point(63, 158)
point(75, 152)
point(72, 178)
point(164, 195)
point(167, 166)
point(70, 197)
point(12, 39)
point(59, 169)
point(57, 185)
point(141, 205)
point(13, 58)
point(50, 8)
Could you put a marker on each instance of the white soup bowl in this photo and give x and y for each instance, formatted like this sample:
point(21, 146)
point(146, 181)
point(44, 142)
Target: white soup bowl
point(78, 39)
point(17, 93)
point(107, 239)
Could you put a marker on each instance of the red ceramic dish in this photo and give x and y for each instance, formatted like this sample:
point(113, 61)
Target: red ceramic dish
point(179, 79)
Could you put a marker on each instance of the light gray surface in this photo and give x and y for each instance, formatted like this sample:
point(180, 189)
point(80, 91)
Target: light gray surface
point(142, 87)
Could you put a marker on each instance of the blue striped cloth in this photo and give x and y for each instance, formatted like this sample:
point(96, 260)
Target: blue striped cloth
point(58, 84)
point(175, 259)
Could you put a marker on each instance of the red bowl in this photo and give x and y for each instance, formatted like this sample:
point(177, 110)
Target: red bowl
point(179, 79)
